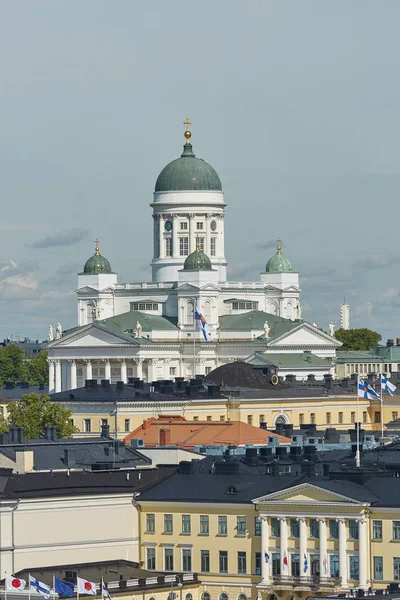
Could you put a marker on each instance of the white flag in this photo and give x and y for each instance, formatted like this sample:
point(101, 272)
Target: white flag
point(86, 587)
point(14, 584)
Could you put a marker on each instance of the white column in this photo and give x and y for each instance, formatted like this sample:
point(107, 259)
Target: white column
point(192, 240)
point(139, 367)
point(283, 548)
point(72, 375)
point(303, 547)
point(88, 370)
point(107, 370)
point(51, 376)
point(265, 566)
point(161, 236)
point(152, 370)
point(362, 553)
point(57, 387)
point(155, 230)
point(64, 376)
point(123, 372)
point(342, 552)
point(207, 248)
point(323, 557)
point(175, 240)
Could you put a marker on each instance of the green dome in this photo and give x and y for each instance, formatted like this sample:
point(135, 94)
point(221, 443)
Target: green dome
point(279, 263)
point(97, 263)
point(197, 261)
point(188, 173)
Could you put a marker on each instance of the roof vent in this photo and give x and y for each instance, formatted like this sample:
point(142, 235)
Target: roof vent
point(231, 490)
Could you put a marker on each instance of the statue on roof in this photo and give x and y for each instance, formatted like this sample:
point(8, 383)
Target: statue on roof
point(138, 330)
point(331, 328)
point(298, 311)
point(51, 333)
point(97, 312)
point(58, 331)
point(267, 329)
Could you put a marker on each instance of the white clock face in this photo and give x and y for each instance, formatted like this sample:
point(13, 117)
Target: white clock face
point(213, 225)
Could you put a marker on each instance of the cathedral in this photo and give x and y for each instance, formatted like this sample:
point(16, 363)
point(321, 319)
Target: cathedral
point(150, 330)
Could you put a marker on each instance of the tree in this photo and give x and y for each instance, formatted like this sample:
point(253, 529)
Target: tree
point(38, 370)
point(358, 339)
point(33, 412)
point(11, 363)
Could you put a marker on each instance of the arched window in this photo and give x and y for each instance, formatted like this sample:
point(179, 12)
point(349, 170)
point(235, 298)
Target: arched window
point(189, 596)
point(89, 313)
point(189, 319)
point(207, 311)
point(242, 597)
point(273, 597)
point(205, 596)
point(281, 420)
point(152, 598)
point(223, 596)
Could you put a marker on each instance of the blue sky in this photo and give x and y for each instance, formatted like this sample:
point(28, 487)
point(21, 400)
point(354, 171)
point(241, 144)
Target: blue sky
point(296, 105)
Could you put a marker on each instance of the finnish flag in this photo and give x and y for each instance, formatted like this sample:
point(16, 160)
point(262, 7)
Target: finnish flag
point(366, 391)
point(202, 324)
point(39, 587)
point(387, 385)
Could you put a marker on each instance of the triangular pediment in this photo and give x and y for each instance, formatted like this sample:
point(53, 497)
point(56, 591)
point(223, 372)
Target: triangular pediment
point(90, 336)
point(305, 335)
point(86, 290)
point(306, 494)
point(258, 360)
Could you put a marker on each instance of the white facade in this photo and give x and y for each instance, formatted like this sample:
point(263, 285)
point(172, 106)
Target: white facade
point(345, 316)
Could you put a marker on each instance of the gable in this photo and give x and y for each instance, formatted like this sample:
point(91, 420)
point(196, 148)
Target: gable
point(305, 335)
point(92, 337)
point(306, 494)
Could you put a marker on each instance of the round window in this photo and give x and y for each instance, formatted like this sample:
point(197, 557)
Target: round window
point(213, 225)
point(168, 225)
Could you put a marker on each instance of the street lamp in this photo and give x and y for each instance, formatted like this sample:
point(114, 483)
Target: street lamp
point(179, 585)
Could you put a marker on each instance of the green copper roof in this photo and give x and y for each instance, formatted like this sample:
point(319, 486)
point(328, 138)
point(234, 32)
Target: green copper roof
point(97, 264)
point(255, 319)
point(279, 263)
point(197, 261)
point(188, 173)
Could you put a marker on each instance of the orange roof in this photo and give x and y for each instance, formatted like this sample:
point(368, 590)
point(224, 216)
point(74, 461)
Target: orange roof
point(177, 431)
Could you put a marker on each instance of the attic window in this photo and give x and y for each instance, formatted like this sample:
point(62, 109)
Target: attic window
point(231, 491)
point(244, 305)
point(144, 306)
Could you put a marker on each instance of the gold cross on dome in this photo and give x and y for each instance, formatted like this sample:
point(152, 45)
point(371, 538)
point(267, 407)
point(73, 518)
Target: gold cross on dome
point(96, 251)
point(187, 122)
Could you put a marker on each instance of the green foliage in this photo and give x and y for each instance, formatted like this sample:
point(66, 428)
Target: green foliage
point(358, 339)
point(15, 367)
point(33, 412)
point(3, 424)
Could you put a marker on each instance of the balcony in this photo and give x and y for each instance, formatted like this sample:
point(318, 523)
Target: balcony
point(313, 583)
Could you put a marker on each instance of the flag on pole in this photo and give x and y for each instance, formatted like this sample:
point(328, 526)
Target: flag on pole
point(305, 563)
point(202, 324)
point(86, 587)
point(39, 587)
point(387, 385)
point(14, 584)
point(285, 562)
point(65, 588)
point(267, 557)
point(366, 391)
point(104, 591)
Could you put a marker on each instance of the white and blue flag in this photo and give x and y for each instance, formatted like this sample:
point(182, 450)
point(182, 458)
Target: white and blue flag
point(387, 385)
point(39, 587)
point(267, 557)
point(305, 564)
point(104, 591)
point(366, 391)
point(202, 324)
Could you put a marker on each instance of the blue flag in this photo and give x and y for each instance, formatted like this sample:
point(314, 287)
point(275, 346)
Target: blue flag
point(64, 587)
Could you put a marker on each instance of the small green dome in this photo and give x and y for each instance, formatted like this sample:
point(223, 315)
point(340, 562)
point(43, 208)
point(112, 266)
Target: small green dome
point(97, 263)
point(197, 261)
point(279, 263)
point(188, 173)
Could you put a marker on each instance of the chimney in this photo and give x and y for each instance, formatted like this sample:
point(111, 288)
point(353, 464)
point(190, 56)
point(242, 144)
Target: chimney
point(47, 432)
point(146, 424)
point(120, 385)
point(24, 460)
point(105, 430)
point(14, 435)
point(69, 457)
point(165, 437)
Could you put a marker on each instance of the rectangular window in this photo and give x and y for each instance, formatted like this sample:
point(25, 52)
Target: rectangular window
point(127, 425)
point(200, 225)
point(242, 563)
point(396, 530)
point(186, 559)
point(353, 561)
point(328, 418)
point(185, 523)
point(87, 425)
point(378, 567)
point(167, 523)
point(395, 415)
point(204, 524)
point(150, 523)
point(275, 527)
point(209, 417)
point(104, 422)
point(168, 246)
point(257, 526)
point(353, 529)
point(276, 564)
point(262, 418)
point(340, 419)
point(295, 564)
point(183, 246)
point(312, 418)
point(334, 566)
point(365, 416)
point(200, 241)
point(143, 306)
point(377, 416)
point(352, 417)
point(241, 525)
point(250, 419)
point(294, 528)
point(222, 417)
point(396, 568)
point(377, 530)
point(258, 563)
point(151, 559)
point(205, 561)
point(314, 564)
point(213, 246)
point(223, 561)
point(314, 528)
point(333, 529)
point(172, 371)
point(168, 559)
point(222, 525)
point(184, 225)
point(301, 419)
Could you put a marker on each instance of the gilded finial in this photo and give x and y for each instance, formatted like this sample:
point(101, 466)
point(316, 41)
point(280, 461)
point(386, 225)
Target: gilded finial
point(97, 251)
point(279, 249)
point(197, 245)
point(187, 133)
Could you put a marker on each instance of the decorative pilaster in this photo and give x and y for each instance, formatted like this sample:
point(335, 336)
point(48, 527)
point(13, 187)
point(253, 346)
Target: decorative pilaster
point(342, 552)
point(207, 248)
point(192, 240)
point(265, 556)
point(175, 240)
point(107, 369)
point(123, 371)
point(138, 362)
point(161, 236)
point(57, 387)
point(51, 376)
point(88, 369)
point(303, 547)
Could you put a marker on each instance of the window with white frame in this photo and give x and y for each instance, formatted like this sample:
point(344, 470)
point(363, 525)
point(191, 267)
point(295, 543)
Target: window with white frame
point(186, 559)
point(213, 246)
point(396, 530)
point(151, 559)
point(168, 246)
point(244, 305)
point(183, 225)
point(183, 246)
point(144, 306)
point(168, 559)
point(201, 242)
point(199, 225)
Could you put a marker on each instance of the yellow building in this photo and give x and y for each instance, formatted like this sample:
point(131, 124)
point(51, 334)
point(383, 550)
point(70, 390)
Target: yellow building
point(249, 535)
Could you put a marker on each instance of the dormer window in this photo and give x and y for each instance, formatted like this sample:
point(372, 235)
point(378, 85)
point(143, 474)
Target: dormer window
point(244, 305)
point(231, 491)
point(144, 306)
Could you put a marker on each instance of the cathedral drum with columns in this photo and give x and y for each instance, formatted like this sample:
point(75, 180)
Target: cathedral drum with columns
point(149, 330)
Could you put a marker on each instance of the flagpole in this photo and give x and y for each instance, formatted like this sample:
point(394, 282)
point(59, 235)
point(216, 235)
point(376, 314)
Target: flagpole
point(382, 433)
point(77, 588)
point(29, 583)
point(358, 425)
point(194, 338)
point(5, 585)
point(54, 587)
